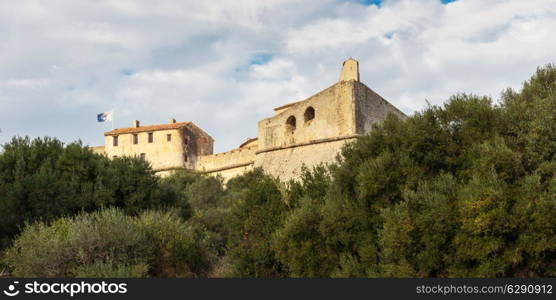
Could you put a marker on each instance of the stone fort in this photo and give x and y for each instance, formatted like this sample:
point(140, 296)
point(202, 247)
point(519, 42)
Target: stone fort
point(307, 132)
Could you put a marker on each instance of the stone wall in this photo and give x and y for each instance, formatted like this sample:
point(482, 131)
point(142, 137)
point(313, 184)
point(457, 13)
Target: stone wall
point(333, 117)
point(98, 150)
point(226, 161)
point(196, 144)
point(203, 141)
point(285, 163)
point(318, 136)
point(160, 153)
point(370, 108)
point(342, 112)
point(230, 173)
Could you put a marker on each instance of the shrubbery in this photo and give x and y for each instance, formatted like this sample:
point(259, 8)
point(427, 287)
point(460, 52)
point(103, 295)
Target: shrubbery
point(255, 215)
point(42, 180)
point(109, 244)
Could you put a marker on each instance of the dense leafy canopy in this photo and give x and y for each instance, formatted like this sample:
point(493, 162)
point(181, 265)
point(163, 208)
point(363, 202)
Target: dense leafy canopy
point(42, 179)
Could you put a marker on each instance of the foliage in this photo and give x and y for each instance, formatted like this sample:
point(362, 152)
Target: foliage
point(43, 179)
point(300, 243)
point(109, 244)
point(255, 215)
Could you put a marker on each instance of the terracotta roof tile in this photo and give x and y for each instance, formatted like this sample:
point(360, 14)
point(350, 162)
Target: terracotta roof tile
point(147, 128)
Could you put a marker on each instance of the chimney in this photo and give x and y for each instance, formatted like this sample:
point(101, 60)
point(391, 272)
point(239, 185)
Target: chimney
point(135, 123)
point(350, 70)
point(172, 121)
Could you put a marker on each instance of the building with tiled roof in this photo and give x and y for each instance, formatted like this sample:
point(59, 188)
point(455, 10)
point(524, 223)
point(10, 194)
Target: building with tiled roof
point(137, 129)
point(166, 146)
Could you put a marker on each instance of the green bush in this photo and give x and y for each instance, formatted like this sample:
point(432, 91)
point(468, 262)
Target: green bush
point(43, 180)
point(109, 243)
point(176, 248)
point(255, 215)
point(300, 244)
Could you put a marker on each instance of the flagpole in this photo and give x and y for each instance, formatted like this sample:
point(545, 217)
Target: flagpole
point(112, 119)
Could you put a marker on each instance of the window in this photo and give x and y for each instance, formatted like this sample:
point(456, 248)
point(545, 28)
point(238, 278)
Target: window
point(115, 141)
point(290, 124)
point(150, 137)
point(143, 156)
point(135, 139)
point(115, 156)
point(185, 157)
point(309, 114)
point(169, 137)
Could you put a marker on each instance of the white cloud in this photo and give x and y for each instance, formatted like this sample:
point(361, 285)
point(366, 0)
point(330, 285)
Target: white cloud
point(24, 83)
point(64, 61)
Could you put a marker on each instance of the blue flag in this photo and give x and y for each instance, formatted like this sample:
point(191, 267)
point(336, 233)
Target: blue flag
point(103, 117)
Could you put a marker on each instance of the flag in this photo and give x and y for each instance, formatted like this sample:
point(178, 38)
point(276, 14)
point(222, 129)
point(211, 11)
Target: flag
point(103, 117)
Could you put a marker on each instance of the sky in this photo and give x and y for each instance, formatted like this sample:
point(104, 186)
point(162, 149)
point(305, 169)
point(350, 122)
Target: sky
point(225, 65)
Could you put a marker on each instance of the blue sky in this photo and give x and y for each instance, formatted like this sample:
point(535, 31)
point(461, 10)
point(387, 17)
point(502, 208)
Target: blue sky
point(371, 2)
point(226, 64)
point(379, 2)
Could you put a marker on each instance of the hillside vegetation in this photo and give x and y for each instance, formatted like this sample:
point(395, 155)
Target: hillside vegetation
point(467, 189)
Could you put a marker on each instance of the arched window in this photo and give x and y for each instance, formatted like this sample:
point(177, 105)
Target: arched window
point(309, 113)
point(290, 124)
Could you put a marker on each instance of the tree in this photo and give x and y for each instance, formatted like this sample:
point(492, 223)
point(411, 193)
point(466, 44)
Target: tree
point(42, 179)
point(255, 216)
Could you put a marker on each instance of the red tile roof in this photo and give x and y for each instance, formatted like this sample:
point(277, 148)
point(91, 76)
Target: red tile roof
point(177, 125)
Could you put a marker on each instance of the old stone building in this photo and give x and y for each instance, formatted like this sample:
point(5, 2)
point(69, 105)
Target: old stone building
point(166, 146)
point(306, 132)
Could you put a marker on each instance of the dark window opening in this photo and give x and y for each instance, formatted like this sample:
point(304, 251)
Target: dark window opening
point(115, 156)
point(290, 124)
point(143, 156)
point(309, 114)
point(150, 137)
point(115, 141)
point(135, 139)
point(168, 137)
point(185, 157)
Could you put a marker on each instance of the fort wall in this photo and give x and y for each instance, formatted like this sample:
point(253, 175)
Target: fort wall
point(286, 162)
point(332, 117)
point(223, 163)
point(160, 153)
point(231, 172)
point(370, 108)
point(98, 150)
